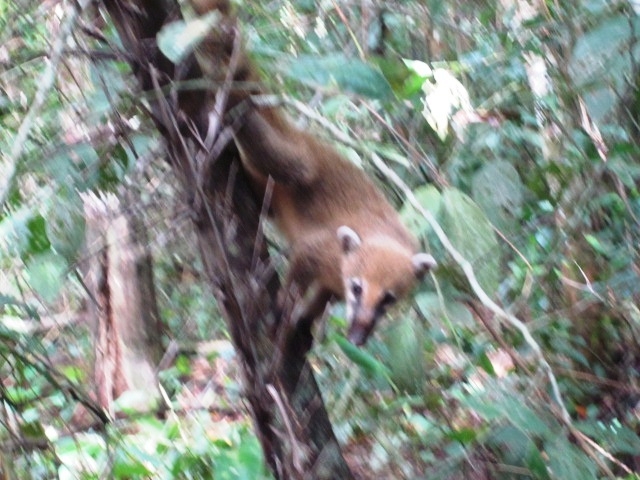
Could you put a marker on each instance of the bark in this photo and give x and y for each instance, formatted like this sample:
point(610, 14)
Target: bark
point(123, 312)
point(289, 415)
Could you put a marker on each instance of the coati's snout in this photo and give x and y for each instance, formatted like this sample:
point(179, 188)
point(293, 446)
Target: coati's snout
point(376, 272)
point(359, 331)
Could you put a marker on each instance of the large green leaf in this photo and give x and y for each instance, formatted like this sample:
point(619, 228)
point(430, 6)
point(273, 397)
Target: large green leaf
point(405, 341)
point(498, 190)
point(443, 315)
point(567, 461)
point(603, 60)
point(430, 199)
point(347, 73)
point(519, 448)
point(472, 235)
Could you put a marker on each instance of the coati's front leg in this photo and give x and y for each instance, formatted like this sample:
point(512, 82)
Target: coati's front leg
point(306, 308)
point(305, 294)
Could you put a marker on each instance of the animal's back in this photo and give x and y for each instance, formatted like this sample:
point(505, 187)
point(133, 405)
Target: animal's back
point(338, 193)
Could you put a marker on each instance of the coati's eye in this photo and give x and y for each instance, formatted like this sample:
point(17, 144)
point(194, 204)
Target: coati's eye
point(388, 300)
point(356, 288)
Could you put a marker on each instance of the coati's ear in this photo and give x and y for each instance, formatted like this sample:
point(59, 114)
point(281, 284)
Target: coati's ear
point(422, 263)
point(348, 239)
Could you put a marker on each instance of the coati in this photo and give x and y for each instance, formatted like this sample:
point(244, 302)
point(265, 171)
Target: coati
point(346, 241)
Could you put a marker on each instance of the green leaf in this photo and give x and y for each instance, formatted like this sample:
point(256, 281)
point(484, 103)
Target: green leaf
point(404, 81)
point(347, 73)
point(125, 466)
point(523, 417)
point(32, 430)
point(472, 235)
point(463, 435)
point(623, 440)
point(367, 362)
point(443, 315)
point(250, 460)
point(74, 373)
point(112, 170)
point(9, 300)
point(21, 395)
point(431, 200)
point(599, 247)
point(613, 436)
point(511, 440)
point(38, 241)
point(405, 343)
point(498, 190)
point(487, 409)
point(605, 70)
point(535, 462)
point(46, 274)
point(183, 365)
point(489, 406)
point(66, 225)
point(178, 39)
point(567, 461)
point(485, 363)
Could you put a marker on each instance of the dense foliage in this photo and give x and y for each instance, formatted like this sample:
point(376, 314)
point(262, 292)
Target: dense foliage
point(514, 127)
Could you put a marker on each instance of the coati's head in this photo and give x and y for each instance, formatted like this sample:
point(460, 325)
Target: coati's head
point(376, 273)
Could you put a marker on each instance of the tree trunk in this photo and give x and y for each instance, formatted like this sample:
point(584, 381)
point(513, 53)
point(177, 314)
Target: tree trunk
point(123, 311)
point(289, 414)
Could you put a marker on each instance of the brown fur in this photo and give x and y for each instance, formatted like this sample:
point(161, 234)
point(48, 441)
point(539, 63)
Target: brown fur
point(315, 193)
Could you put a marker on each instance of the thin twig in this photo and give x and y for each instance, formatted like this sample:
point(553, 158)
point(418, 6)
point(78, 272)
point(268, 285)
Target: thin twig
point(352, 34)
point(584, 438)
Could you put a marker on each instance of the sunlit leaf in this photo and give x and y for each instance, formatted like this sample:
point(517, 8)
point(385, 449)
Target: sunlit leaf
point(404, 81)
point(178, 39)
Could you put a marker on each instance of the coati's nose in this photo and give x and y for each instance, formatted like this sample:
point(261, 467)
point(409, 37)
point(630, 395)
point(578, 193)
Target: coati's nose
point(358, 333)
point(357, 337)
